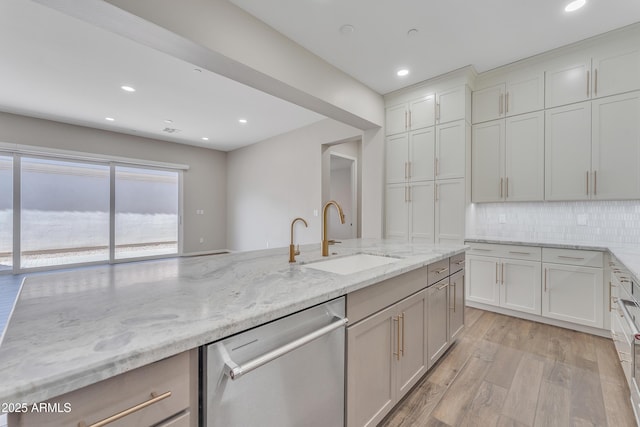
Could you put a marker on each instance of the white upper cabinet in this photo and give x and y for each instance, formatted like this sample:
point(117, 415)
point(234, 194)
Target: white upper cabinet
point(487, 162)
point(415, 114)
point(396, 159)
point(397, 211)
point(421, 155)
point(521, 92)
point(568, 152)
point(615, 147)
point(449, 211)
point(610, 70)
point(421, 212)
point(450, 150)
point(451, 104)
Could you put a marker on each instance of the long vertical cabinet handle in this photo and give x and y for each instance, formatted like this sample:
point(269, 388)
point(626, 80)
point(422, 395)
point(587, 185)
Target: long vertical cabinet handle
point(437, 166)
point(502, 273)
point(402, 329)
point(506, 186)
point(506, 103)
point(438, 111)
point(545, 280)
point(501, 182)
point(497, 277)
point(409, 119)
point(409, 173)
point(455, 287)
point(437, 193)
point(405, 120)
point(406, 170)
point(595, 183)
point(500, 104)
point(595, 82)
point(397, 353)
point(588, 82)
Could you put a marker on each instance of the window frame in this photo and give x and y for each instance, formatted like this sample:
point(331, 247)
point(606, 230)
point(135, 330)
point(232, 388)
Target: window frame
point(20, 152)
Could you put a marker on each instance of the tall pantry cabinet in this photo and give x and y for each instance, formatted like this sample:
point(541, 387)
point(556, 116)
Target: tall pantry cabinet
point(427, 137)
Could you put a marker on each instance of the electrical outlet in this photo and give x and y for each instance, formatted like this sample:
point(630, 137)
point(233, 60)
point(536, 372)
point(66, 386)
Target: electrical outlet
point(502, 218)
point(202, 240)
point(315, 212)
point(582, 219)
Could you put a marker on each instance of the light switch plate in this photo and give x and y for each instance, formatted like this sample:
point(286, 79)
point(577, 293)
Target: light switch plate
point(582, 219)
point(502, 218)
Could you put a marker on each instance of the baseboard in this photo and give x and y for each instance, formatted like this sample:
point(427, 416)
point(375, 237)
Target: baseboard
point(213, 252)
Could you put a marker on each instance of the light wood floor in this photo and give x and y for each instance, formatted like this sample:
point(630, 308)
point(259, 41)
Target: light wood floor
point(505, 371)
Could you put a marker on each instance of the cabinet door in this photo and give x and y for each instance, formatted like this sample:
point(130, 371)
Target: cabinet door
point(573, 294)
point(525, 93)
point(412, 362)
point(422, 112)
point(524, 157)
point(568, 83)
point(568, 152)
point(371, 373)
point(482, 283)
point(396, 118)
point(421, 212)
point(488, 104)
point(520, 285)
point(396, 211)
point(397, 157)
point(616, 147)
point(487, 161)
point(616, 72)
point(456, 305)
point(450, 150)
point(451, 104)
point(421, 154)
point(450, 211)
point(437, 320)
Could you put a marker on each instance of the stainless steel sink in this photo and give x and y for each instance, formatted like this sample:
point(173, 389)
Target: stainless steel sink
point(352, 263)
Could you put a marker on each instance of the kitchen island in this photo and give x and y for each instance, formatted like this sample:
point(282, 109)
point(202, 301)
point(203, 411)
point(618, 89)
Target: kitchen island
point(70, 329)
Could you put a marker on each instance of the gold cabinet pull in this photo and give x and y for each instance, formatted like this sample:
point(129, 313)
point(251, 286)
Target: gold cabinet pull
point(497, 277)
point(154, 399)
point(506, 186)
point(545, 280)
point(437, 167)
point(397, 353)
point(587, 82)
point(501, 182)
point(506, 103)
point(595, 82)
point(406, 172)
point(409, 174)
point(409, 119)
point(443, 286)
point(402, 348)
point(502, 273)
point(500, 104)
point(405, 119)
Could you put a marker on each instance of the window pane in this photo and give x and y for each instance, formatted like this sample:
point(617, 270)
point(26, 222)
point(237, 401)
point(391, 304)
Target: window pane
point(146, 212)
point(6, 213)
point(65, 212)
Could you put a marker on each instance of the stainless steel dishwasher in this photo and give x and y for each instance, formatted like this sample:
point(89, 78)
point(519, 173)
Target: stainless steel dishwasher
point(289, 372)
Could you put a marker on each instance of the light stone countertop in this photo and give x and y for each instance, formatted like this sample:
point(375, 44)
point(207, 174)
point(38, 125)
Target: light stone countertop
point(628, 255)
point(73, 328)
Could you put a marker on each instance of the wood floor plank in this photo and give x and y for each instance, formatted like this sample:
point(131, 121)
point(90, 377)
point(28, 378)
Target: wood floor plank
point(451, 364)
point(504, 366)
point(457, 399)
point(486, 406)
point(558, 373)
point(505, 421)
point(587, 403)
point(522, 400)
point(616, 404)
point(416, 408)
point(553, 405)
point(608, 363)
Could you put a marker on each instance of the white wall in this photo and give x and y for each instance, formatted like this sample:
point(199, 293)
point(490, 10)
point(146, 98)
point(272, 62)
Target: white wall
point(276, 180)
point(204, 183)
point(607, 222)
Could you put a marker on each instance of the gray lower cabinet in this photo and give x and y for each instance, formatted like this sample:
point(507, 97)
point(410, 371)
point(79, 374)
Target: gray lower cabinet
point(438, 320)
point(456, 304)
point(386, 356)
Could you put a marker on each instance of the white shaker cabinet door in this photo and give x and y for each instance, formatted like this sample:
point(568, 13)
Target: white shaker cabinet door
point(524, 158)
point(482, 284)
point(396, 211)
point(520, 285)
point(397, 158)
point(487, 162)
point(450, 150)
point(616, 71)
point(568, 82)
point(396, 119)
point(616, 147)
point(573, 294)
point(421, 208)
point(488, 104)
point(421, 154)
point(568, 152)
point(525, 93)
point(450, 211)
point(451, 104)
point(413, 361)
point(422, 112)
point(437, 320)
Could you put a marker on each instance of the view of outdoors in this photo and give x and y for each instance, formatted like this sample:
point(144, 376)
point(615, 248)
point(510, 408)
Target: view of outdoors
point(6, 212)
point(65, 212)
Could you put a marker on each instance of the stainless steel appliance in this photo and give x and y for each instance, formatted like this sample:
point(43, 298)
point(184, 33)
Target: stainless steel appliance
point(625, 330)
point(289, 372)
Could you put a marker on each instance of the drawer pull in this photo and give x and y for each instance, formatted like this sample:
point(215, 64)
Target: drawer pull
point(443, 286)
point(577, 258)
point(481, 249)
point(154, 399)
point(459, 262)
point(441, 270)
point(520, 253)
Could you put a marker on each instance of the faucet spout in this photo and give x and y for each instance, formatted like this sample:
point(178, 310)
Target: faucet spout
point(325, 241)
point(292, 249)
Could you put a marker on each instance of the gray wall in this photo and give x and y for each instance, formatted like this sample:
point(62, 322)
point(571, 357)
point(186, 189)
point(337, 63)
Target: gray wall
point(205, 183)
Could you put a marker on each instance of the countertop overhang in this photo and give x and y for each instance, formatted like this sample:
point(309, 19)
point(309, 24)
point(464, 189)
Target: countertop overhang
point(70, 329)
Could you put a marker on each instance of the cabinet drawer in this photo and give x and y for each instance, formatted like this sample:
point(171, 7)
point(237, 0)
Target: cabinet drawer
point(456, 262)
point(114, 395)
point(573, 257)
point(530, 253)
point(438, 271)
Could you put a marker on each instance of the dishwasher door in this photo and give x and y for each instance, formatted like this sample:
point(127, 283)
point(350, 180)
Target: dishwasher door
point(289, 372)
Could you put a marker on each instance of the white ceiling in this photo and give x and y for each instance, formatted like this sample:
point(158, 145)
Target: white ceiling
point(57, 67)
point(451, 33)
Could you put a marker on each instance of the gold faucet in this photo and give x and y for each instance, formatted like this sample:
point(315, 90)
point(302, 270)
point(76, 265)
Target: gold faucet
point(325, 242)
point(293, 251)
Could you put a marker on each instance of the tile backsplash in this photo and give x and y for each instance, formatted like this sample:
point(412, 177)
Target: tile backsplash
point(610, 222)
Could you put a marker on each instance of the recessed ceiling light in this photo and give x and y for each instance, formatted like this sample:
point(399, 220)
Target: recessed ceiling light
point(347, 29)
point(168, 121)
point(242, 121)
point(109, 119)
point(575, 5)
point(127, 88)
point(403, 72)
point(204, 138)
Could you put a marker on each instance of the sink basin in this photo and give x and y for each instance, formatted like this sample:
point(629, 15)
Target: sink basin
point(352, 263)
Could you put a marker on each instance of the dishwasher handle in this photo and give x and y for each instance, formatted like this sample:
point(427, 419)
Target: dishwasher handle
point(235, 371)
